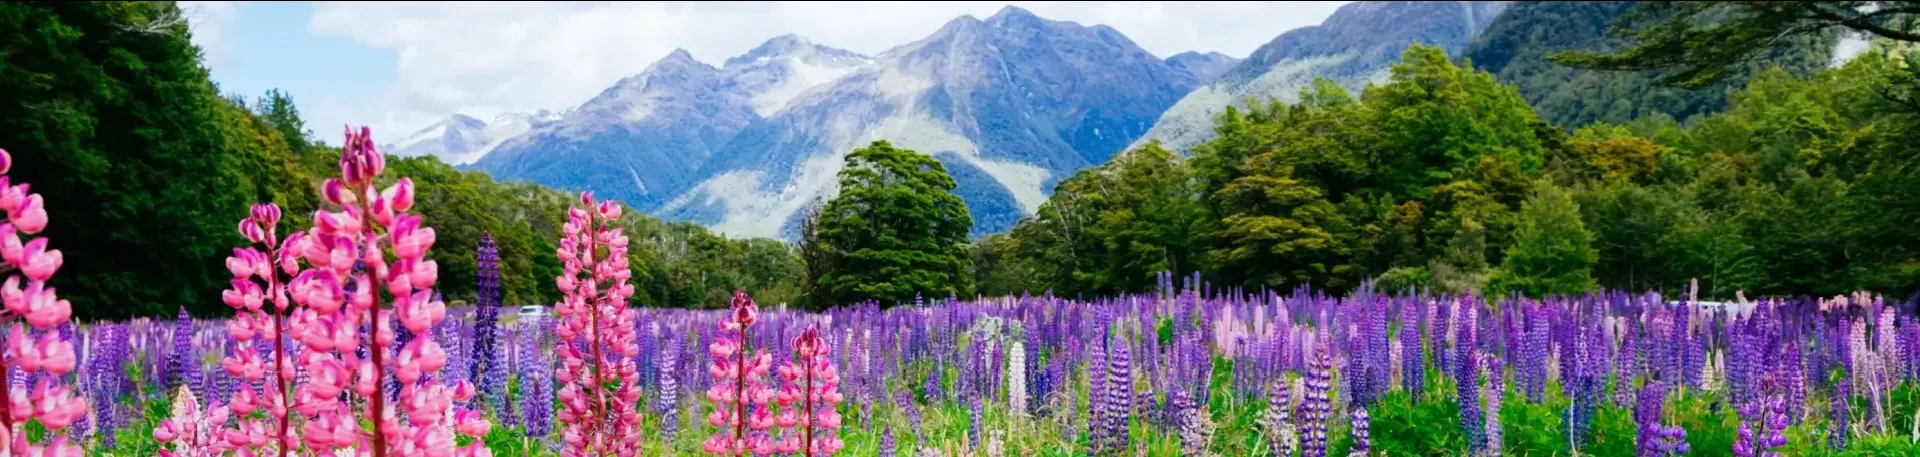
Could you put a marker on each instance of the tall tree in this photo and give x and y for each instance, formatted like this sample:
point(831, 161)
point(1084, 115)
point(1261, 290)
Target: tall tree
point(109, 114)
point(895, 230)
point(1552, 253)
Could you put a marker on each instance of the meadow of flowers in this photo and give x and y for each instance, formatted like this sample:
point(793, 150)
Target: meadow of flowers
point(338, 345)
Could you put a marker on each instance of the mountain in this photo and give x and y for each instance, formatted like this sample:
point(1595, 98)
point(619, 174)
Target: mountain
point(642, 140)
point(1010, 104)
point(1355, 46)
point(1515, 49)
point(460, 139)
point(1204, 67)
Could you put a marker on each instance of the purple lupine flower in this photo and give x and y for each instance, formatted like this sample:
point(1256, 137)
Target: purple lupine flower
point(1496, 387)
point(1316, 408)
point(1280, 430)
point(536, 381)
point(975, 418)
point(181, 357)
point(1532, 366)
point(1467, 379)
point(886, 442)
point(486, 363)
point(931, 389)
point(1653, 438)
point(1119, 390)
point(1588, 380)
point(1412, 362)
point(1841, 405)
point(669, 387)
point(903, 401)
point(1360, 426)
point(1762, 424)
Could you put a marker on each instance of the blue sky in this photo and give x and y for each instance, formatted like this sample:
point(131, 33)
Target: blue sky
point(267, 45)
point(400, 66)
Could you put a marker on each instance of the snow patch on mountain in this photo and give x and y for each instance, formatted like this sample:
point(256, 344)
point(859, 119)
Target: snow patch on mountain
point(1190, 121)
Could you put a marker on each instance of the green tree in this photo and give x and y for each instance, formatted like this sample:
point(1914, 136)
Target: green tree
point(1696, 44)
point(895, 230)
point(1552, 253)
point(110, 116)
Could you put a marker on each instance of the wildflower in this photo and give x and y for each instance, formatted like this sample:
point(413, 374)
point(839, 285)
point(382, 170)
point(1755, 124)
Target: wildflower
point(1316, 408)
point(340, 311)
point(486, 363)
point(1359, 426)
point(596, 341)
point(738, 386)
point(38, 351)
point(810, 399)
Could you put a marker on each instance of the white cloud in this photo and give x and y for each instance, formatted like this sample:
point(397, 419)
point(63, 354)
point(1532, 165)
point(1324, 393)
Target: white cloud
point(483, 58)
point(207, 20)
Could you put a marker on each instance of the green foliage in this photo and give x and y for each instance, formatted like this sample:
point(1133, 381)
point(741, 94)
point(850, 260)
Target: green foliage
point(1107, 230)
point(895, 230)
point(1696, 44)
point(1552, 253)
point(144, 169)
point(1516, 46)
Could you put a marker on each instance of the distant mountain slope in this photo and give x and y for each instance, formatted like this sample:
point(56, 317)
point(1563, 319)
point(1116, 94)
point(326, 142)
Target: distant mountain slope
point(1204, 67)
point(642, 140)
point(1515, 49)
point(1010, 104)
point(1354, 46)
point(460, 139)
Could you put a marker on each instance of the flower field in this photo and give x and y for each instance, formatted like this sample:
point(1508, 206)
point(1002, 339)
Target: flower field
point(339, 346)
point(1245, 375)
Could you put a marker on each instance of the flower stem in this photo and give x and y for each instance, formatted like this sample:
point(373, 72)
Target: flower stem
point(378, 405)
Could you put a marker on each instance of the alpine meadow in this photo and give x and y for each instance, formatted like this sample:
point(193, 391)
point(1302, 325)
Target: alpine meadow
point(1409, 229)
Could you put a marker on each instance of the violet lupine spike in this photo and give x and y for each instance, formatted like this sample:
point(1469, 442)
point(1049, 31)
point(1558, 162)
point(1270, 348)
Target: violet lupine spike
point(1120, 391)
point(1496, 388)
point(182, 358)
point(1467, 379)
point(1653, 437)
point(1412, 361)
point(1360, 429)
point(668, 386)
point(1317, 408)
point(536, 383)
point(486, 363)
point(1281, 436)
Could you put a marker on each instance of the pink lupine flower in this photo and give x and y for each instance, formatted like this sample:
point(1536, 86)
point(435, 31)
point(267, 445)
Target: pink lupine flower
point(739, 394)
point(191, 430)
point(600, 390)
point(810, 399)
point(36, 348)
point(338, 293)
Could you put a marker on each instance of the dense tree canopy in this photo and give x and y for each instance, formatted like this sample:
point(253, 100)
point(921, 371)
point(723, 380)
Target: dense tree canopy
point(1443, 178)
point(895, 230)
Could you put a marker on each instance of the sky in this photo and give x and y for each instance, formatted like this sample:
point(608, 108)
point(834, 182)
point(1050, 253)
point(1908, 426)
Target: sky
point(401, 66)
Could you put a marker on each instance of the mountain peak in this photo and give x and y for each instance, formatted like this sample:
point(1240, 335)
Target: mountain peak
point(1012, 12)
point(677, 61)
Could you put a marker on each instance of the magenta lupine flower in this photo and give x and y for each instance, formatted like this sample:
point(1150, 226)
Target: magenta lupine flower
point(346, 252)
point(810, 400)
point(739, 386)
point(595, 333)
point(36, 348)
point(258, 350)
